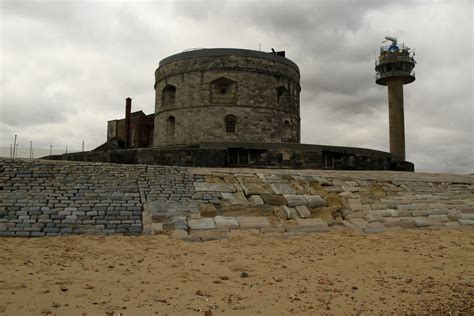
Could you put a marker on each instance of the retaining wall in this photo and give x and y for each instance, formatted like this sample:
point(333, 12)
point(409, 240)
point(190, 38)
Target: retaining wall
point(50, 198)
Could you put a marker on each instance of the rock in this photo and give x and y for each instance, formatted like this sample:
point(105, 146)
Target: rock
point(227, 196)
point(290, 213)
point(303, 211)
point(454, 217)
point(421, 213)
point(201, 224)
point(248, 222)
point(282, 188)
point(157, 227)
point(226, 222)
point(310, 221)
point(438, 218)
point(207, 210)
point(466, 222)
point(467, 216)
point(354, 215)
point(253, 185)
point(295, 200)
point(421, 222)
point(214, 187)
point(314, 201)
point(384, 213)
point(239, 199)
point(244, 275)
point(255, 200)
point(468, 210)
point(180, 223)
point(274, 200)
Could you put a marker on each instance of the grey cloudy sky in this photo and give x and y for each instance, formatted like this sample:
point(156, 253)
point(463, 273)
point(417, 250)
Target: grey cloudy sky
point(67, 66)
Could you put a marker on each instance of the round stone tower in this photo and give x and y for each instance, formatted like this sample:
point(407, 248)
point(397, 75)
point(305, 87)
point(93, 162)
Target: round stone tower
point(394, 68)
point(226, 95)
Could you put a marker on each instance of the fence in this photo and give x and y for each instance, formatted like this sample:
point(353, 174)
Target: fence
point(24, 152)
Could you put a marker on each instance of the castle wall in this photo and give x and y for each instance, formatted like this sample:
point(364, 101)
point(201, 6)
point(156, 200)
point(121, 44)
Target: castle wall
point(196, 94)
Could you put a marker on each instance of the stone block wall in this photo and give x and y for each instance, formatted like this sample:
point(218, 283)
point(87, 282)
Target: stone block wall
point(50, 198)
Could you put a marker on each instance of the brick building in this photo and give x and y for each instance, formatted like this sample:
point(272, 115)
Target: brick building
point(133, 131)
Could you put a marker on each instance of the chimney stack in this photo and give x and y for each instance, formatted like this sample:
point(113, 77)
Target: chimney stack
point(128, 111)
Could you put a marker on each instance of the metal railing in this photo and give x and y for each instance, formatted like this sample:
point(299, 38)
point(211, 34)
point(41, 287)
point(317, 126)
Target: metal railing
point(394, 73)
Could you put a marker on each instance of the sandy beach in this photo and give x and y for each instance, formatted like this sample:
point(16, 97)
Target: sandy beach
point(338, 273)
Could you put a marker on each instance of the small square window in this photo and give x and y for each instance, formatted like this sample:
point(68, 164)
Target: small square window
point(223, 90)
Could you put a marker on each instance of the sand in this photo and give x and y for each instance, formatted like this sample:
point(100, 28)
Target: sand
point(337, 273)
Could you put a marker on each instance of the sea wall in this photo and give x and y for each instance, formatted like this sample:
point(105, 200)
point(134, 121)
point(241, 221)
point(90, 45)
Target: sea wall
point(51, 198)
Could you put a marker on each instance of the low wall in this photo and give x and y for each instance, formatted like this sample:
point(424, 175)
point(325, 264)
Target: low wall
point(261, 155)
point(50, 198)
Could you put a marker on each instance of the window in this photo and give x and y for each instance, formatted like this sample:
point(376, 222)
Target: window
point(286, 132)
point(168, 96)
point(230, 124)
point(170, 126)
point(223, 91)
point(283, 97)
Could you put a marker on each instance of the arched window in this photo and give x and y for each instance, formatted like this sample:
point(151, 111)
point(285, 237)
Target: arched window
point(286, 132)
point(170, 123)
point(283, 96)
point(230, 123)
point(223, 91)
point(168, 95)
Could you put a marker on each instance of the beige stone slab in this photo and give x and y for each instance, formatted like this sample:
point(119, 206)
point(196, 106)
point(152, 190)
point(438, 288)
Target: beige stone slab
point(226, 222)
point(201, 224)
point(310, 221)
point(214, 187)
point(249, 222)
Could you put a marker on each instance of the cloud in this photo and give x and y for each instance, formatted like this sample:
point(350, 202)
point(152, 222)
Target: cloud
point(67, 66)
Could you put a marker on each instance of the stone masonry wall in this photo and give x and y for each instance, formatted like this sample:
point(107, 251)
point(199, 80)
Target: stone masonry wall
point(50, 198)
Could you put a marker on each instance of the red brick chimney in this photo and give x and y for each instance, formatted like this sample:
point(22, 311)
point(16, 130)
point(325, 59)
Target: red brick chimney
point(128, 111)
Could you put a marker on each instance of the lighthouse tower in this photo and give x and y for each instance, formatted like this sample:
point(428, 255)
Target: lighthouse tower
point(394, 67)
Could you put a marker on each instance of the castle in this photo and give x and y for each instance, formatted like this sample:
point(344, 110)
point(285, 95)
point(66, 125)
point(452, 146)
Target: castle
point(227, 107)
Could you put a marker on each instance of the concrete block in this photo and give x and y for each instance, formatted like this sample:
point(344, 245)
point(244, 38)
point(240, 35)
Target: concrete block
point(420, 222)
point(295, 200)
point(201, 224)
point(290, 213)
point(314, 201)
point(282, 188)
point(467, 216)
point(255, 200)
point(214, 187)
point(226, 222)
point(466, 222)
point(303, 211)
point(438, 218)
point(310, 221)
point(248, 222)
